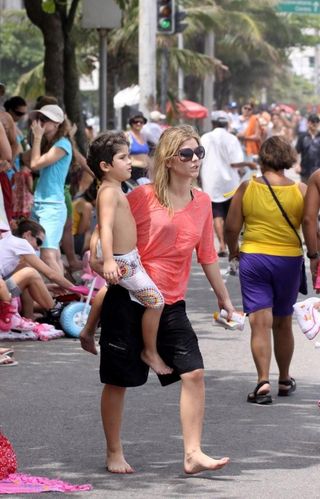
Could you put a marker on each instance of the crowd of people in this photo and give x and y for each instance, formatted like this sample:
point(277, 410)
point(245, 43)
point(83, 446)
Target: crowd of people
point(144, 201)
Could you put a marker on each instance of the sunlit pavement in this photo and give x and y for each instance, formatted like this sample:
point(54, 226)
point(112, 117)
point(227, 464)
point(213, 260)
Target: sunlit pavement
point(50, 412)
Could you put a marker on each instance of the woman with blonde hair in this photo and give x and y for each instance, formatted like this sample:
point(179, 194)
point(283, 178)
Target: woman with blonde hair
point(51, 155)
point(172, 220)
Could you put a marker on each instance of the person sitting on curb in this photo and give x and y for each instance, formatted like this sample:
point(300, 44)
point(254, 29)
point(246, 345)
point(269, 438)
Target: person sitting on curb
point(20, 267)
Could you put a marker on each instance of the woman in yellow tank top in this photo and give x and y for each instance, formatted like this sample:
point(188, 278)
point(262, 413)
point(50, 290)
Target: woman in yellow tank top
point(270, 259)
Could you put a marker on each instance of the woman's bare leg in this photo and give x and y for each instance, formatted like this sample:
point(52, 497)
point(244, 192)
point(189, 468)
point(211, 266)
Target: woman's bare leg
point(192, 412)
point(30, 279)
point(52, 258)
point(261, 324)
point(283, 345)
point(4, 292)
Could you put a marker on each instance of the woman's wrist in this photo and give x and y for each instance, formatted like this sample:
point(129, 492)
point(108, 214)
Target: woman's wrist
point(234, 255)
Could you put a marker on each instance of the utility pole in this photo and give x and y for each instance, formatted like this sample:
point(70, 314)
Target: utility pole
point(164, 71)
point(147, 55)
point(103, 16)
point(180, 70)
point(103, 78)
point(208, 85)
point(317, 66)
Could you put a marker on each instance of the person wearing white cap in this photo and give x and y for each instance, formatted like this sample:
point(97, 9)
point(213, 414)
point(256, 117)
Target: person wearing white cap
point(219, 175)
point(51, 155)
point(152, 130)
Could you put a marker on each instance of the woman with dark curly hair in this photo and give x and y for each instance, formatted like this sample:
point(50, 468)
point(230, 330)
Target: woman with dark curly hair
point(270, 259)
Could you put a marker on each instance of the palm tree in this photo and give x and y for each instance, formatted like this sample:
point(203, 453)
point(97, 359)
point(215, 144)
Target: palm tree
point(250, 38)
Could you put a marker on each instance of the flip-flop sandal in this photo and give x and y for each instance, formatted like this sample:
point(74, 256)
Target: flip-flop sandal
point(7, 351)
point(6, 361)
point(291, 383)
point(260, 398)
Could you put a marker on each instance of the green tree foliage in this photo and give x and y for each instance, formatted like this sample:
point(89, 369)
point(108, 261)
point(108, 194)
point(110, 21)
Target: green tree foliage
point(21, 47)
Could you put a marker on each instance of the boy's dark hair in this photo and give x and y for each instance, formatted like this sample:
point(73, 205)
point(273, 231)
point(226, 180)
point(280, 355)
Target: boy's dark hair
point(27, 224)
point(103, 148)
point(14, 102)
point(277, 153)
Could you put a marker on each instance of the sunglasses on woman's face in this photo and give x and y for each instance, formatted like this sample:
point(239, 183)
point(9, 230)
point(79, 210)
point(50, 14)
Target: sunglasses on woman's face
point(43, 118)
point(138, 122)
point(19, 113)
point(186, 154)
point(38, 241)
point(247, 108)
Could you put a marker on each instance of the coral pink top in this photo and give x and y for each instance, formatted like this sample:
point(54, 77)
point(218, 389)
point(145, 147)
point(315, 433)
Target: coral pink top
point(166, 242)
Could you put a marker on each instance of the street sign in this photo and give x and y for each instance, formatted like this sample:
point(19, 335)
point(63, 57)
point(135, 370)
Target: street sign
point(299, 6)
point(104, 14)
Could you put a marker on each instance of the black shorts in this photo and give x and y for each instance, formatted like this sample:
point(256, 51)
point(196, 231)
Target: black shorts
point(221, 209)
point(121, 341)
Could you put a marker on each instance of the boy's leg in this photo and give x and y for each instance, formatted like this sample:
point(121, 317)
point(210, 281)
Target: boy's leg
point(112, 403)
point(192, 412)
point(87, 333)
point(149, 354)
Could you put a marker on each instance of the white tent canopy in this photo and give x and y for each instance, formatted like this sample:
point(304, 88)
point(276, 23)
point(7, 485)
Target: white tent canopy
point(129, 96)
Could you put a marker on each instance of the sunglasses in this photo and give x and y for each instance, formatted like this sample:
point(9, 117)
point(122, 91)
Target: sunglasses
point(247, 108)
point(19, 113)
point(138, 122)
point(38, 241)
point(187, 153)
point(43, 118)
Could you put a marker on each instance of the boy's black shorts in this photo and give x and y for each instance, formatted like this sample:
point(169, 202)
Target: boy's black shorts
point(121, 341)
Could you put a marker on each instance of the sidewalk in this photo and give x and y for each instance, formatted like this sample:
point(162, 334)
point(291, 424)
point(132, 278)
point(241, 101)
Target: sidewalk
point(50, 412)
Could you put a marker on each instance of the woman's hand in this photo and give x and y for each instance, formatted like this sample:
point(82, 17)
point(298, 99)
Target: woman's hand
point(227, 306)
point(37, 129)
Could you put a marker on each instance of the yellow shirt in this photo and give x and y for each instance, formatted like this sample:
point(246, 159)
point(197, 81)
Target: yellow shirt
point(266, 230)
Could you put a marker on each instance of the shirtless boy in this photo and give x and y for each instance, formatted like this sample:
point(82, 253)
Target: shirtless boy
point(109, 159)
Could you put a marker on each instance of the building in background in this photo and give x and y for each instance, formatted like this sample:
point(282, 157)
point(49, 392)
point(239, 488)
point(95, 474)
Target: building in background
point(11, 4)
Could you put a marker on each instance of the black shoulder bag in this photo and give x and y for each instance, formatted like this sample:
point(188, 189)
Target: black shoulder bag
point(303, 275)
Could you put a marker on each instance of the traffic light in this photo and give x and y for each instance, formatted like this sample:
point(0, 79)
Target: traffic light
point(179, 16)
point(165, 17)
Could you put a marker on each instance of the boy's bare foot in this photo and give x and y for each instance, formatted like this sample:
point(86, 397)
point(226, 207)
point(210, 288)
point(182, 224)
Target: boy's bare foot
point(154, 361)
point(116, 463)
point(198, 461)
point(87, 342)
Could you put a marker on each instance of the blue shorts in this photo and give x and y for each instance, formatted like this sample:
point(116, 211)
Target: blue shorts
point(52, 217)
point(269, 281)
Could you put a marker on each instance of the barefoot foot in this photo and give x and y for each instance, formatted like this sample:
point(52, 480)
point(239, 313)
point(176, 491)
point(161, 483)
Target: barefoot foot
point(116, 463)
point(87, 342)
point(197, 461)
point(154, 361)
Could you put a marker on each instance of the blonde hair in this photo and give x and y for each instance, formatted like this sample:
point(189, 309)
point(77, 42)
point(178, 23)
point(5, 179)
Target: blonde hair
point(168, 146)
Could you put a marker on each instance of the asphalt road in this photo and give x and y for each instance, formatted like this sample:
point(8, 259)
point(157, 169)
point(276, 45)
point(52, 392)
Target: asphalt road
point(49, 409)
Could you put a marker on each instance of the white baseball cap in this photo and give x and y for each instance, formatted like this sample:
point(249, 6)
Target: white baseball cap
point(51, 111)
point(219, 116)
point(157, 116)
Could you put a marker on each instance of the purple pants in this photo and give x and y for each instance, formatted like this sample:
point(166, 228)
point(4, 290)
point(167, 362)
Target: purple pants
point(269, 281)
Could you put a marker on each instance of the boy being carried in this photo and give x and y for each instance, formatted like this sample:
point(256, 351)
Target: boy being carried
point(109, 159)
